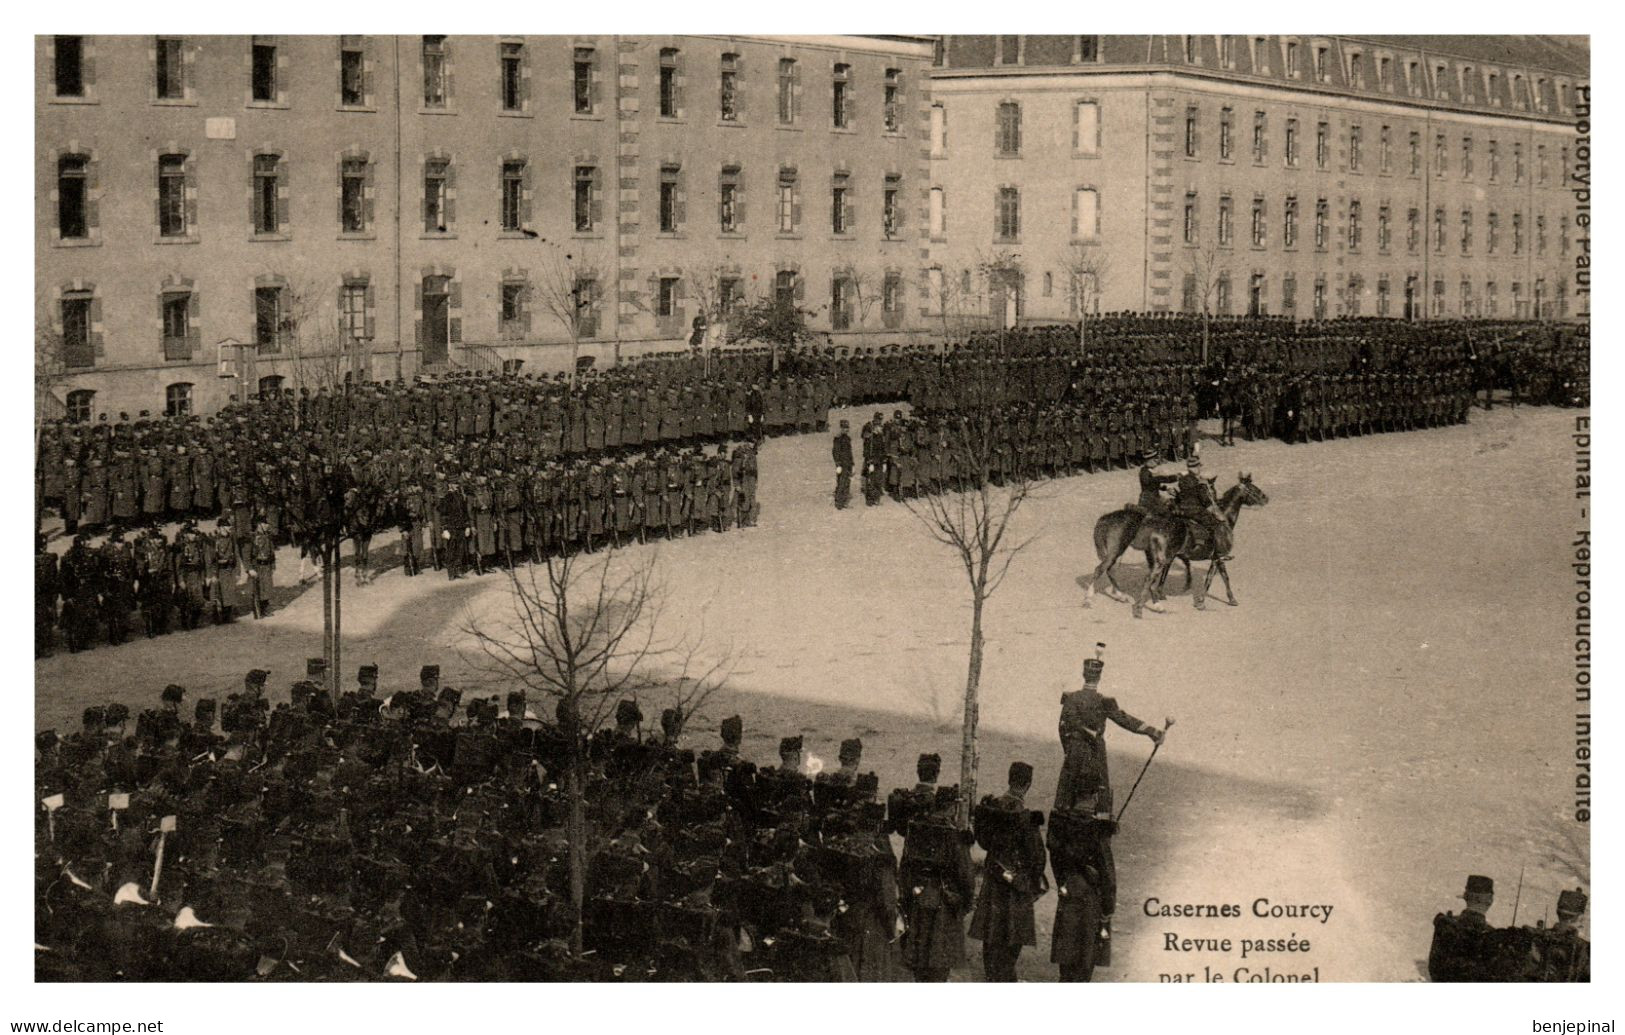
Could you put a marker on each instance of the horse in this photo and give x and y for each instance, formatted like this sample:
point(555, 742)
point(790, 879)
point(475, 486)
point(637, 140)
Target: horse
point(1165, 538)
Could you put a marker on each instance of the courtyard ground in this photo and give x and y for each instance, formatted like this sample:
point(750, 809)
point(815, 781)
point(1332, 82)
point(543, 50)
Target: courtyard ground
point(1388, 709)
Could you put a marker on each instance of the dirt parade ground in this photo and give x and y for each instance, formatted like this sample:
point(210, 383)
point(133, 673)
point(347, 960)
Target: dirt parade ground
point(1387, 710)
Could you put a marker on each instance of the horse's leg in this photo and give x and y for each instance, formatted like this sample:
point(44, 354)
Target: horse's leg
point(1108, 552)
point(1224, 573)
point(1157, 560)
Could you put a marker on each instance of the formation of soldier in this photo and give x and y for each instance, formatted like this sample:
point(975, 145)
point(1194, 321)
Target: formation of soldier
point(1467, 947)
point(423, 835)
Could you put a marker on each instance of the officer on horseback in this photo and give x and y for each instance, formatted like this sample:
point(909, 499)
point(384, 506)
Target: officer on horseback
point(1194, 502)
point(1151, 499)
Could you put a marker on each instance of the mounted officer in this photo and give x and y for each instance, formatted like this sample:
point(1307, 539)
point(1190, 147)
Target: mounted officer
point(1194, 503)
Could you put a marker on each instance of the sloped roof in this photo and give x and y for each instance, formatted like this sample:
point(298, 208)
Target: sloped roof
point(1570, 55)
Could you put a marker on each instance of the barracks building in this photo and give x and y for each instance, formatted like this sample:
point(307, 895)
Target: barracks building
point(1304, 176)
point(230, 214)
point(385, 206)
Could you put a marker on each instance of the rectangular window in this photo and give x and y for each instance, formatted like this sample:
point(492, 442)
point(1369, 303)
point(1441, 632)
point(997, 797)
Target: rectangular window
point(840, 303)
point(1323, 144)
point(511, 318)
point(353, 312)
point(669, 220)
point(892, 100)
point(840, 205)
point(1289, 294)
point(1438, 231)
point(69, 68)
point(1192, 115)
point(1517, 233)
point(1495, 161)
point(586, 302)
point(1289, 224)
point(784, 287)
point(1322, 72)
point(1292, 142)
point(266, 208)
point(1226, 230)
point(352, 77)
point(939, 131)
point(1466, 158)
point(1416, 153)
point(1413, 230)
point(891, 299)
point(937, 212)
point(172, 196)
point(268, 318)
point(73, 196)
point(891, 209)
point(513, 196)
point(1517, 163)
point(1540, 235)
point(581, 80)
point(1322, 227)
point(178, 400)
point(1354, 226)
point(1009, 139)
point(668, 83)
point(1009, 214)
point(666, 300)
point(1466, 230)
point(841, 97)
point(1492, 233)
point(787, 202)
point(1292, 60)
point(436, 191)
point(264, 72)
point(1441, 157)
point(1384, 229)
point(1226, 134)
point(787, 91)
point(1260, 230)
point(1086, 128)
point(728, 88)
point(170, 72)
point(1384, 149)
point(513, 76)
point(1191, 227)
point(1356, 72)
point(1354, 149)
point(582, 204)
point(1320, 298)
point(1227, 51)
point(1540, 163)
point(1260, 136)
point(353, 195)
point(730, 292)
point(1383, 295)
point(177, 322)
point(728, 200)
point(78, 348)
point(434, 71)
point(1086, 202)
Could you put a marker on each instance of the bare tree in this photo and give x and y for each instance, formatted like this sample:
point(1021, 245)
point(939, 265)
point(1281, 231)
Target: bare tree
point(1086, 269)
point(959, 303)
point(864, 293)
point(584, 631)
point(973, 520)
point(564, 289)
point(1203, 261)
point(50, 368)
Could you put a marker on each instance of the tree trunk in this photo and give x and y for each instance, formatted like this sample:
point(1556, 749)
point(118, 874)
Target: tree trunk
point(968, 759)
point(337, 663)
point(576, 835)
point(327, 605)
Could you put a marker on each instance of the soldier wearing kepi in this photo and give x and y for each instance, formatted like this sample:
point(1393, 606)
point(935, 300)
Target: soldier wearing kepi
point(841, 452)
point(261, 567)
point(1012, 878)
point(935, 881)
point(1458, 952)
point(1083, 739)
point(1562, 954)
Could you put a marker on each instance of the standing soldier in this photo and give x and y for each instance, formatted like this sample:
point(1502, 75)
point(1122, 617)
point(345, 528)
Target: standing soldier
point(414, 527)
point(223, 568)
point(841, 452)
point(261, 567)
point(1012, 878)
point(155, 571)
point(935, 883)
point(118, 585)
point(454, 527)
point(511, 496)
point(483, 505)
point(80, 579)
point(191, 551)
point(745, 480)
point(46, 590)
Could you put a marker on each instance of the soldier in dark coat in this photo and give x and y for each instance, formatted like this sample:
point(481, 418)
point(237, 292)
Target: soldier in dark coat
point(1085, 890)
point(46, 591)
point(261, 568)
point(935, 882)
point(1460, 943)
point(841, 453)
point(1083, 739)
point(1012, 877)
point(118, 585)
point(155, 575)
point(223, 571)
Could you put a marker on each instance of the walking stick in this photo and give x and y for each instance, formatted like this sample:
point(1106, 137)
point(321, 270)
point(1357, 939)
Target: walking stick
point(1154, 749)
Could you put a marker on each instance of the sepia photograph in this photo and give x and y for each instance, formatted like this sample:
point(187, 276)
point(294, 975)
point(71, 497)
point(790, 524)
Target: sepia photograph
point(811, 508)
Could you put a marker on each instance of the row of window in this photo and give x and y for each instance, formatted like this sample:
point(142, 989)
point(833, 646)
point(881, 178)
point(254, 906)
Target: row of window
point(1355, 155)
point(1466, 83)
point(1007, 214)
point(1219, 297)
point(281, 314)
point(1007, 127)
point(1354, 226)
point(268, 76)
point(270, 205)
